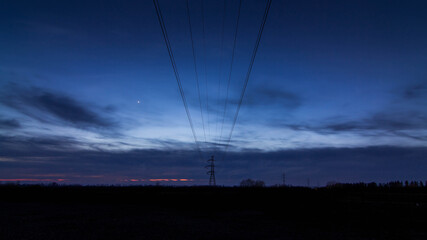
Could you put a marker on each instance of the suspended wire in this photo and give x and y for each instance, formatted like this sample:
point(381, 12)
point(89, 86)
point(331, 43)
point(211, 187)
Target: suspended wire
point(175, 70)
point(220, 72)
point(231, 69)
point(267, 8)
point(195, 69)
point(204, 52)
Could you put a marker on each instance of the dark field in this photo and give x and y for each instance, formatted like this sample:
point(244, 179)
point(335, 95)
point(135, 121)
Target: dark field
point(37, 212)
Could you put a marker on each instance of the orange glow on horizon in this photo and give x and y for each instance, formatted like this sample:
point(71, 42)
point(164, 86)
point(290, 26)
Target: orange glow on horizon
point(158, 180)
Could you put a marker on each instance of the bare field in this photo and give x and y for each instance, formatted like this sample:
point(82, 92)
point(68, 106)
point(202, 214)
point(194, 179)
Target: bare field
point(72, 212)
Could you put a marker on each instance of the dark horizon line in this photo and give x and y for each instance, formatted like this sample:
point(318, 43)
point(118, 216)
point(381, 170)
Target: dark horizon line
point(331, 184)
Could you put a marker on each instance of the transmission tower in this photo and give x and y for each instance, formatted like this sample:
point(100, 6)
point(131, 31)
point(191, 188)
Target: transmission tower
point(211, 172)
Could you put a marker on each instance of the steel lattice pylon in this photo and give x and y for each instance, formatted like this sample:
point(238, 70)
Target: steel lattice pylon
point(211, 172)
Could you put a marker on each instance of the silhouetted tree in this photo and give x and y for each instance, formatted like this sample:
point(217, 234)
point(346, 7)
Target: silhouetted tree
point(331, 184)
point(395, 184)
point(252, 183)
point(259, 183)
point(247, 183)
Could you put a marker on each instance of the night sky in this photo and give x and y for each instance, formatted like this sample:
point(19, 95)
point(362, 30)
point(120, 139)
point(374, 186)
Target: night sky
point(337, 92)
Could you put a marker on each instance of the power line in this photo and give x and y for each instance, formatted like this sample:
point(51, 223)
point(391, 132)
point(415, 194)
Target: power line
point(175, 70)
point(231, 69)
point(220, 71)
point(267, 8)
point(195, 69)
point(204, 52)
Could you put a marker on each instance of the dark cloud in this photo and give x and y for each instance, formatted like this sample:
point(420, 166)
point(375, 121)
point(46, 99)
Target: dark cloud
point(67, 109)
point(385, 123)
point(64, 155)
point(400, 116)
point(266, 96)
point(9, 124)
point(393, 121)
point(416, 91)
point(23, 146)
point(48, 106)
point(402, 134)
point(382, 163)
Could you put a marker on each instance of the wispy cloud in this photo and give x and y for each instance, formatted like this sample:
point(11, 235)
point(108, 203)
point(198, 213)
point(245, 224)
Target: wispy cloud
point(271, 97)
point(53, 107)
point(416, 91)
point(401, 118)
point(21, 146)
point(9, 124)
point(52, 29)
point(383, 121)
point(402, 124)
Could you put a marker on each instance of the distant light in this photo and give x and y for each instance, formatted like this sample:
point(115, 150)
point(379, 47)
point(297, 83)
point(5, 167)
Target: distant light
point(138, 102)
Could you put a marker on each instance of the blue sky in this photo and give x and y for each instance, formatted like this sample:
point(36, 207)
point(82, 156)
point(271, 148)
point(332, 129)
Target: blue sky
point(336, 87)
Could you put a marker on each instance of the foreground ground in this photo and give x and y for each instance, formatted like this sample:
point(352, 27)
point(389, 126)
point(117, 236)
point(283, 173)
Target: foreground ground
point(36, 212)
